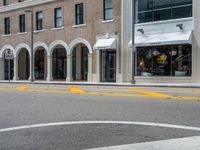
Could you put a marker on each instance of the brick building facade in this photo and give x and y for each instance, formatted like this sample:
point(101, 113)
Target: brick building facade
point(68, 52)
point(90, 40)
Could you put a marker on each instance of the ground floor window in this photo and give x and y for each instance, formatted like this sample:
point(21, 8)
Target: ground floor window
point(108, 66)
point(84, 63)
point(80, 63)
point(59, 64)
point(9, 64)
point(39, 64)
point(174, 60)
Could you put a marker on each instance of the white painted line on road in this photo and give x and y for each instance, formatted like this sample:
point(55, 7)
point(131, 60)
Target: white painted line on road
point(191, 143)
point(99, 122)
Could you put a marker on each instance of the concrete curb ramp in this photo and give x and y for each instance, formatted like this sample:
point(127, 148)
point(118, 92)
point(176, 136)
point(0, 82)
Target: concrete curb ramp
point(192, 143)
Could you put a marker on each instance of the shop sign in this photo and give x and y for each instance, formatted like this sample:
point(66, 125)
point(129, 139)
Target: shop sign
point(9, 54)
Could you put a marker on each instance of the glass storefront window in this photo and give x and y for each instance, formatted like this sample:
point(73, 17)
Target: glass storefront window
point(145, 5)
point(84, 63)
point(173, 60)
point(59, 64)
point(161, 4)
point(39, 64)
point(181, 2)
point(155, 10)
point(162, 14)
point(181, 12)
point(145, 17)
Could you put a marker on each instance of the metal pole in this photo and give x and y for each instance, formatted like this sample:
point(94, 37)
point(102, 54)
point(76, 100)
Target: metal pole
point(133, 44)
point(9, 70)
point(32, 65)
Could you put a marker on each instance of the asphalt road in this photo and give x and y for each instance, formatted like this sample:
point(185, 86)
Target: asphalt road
point(22, 107)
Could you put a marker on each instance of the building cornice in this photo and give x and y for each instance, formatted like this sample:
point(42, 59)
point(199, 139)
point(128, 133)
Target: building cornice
point(27, 3)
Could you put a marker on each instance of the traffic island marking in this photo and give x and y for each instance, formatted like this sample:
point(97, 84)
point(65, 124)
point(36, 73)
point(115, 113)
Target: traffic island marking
point(22, 88)
point(163, 96)
point(151, 94)
point(18, 88)
point(76, 90)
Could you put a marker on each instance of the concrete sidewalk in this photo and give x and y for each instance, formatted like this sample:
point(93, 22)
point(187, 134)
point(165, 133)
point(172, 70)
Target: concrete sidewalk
point(192, 143)
point(180, 85)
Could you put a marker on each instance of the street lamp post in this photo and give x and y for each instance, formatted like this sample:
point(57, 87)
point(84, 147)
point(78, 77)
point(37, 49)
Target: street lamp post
point(133, 44)
point(31, 42)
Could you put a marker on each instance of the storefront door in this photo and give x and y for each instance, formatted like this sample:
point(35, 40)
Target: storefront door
point(39, 64)
point(108, 66)
point(59, 64)
point(6, 66)
point(84, 63)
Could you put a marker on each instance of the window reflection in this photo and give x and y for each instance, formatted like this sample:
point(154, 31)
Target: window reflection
point(155, 10)
point(164, 61)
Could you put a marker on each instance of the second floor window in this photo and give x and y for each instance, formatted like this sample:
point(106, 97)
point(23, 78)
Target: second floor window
point(108, 9)
point(7, 25)
point(5, 2)
point(79, 14)
point(39, 20)
point(22, 24)
point(58, 17)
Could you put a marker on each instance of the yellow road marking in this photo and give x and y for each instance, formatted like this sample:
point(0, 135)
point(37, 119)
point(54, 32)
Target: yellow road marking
point(151, 94)
point(49, 91)
point(188, 98)
point(22, 88)
point(7, 89)
point(76, 90)
point(159, 95)
point(18, 88)
point(196, 91)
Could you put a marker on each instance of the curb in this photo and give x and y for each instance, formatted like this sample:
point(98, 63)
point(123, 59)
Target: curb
point(104, 84)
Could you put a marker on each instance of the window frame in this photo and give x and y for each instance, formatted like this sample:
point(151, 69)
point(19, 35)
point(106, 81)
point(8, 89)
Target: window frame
point(107, 9)
point(39, 21)
point(22, 23)
point(57, 18)
point(7, 26)
point(78, 15)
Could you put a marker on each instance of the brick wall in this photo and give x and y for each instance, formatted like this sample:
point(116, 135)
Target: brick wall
point(93, 20)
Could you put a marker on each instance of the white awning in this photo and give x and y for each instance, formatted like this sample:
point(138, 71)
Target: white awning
point(106, 43)
point(183, 37)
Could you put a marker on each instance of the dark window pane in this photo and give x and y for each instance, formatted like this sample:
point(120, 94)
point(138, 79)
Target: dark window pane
point(22, 23)
point(182, 12)
point(108, 14)
point(162, 14)
point(144, 5)
point(145, 17)
point(108, 3)
point(7, 25)
point(181, 2)
point(108, 9)
point(161, 4)
point(79, 14)
point(58, 17)
point(39, 20)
